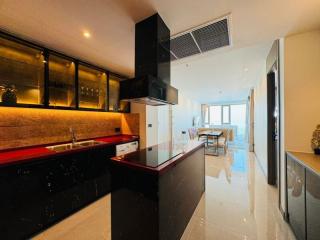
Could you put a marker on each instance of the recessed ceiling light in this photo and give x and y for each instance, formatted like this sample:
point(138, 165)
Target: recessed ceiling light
point(86, 34)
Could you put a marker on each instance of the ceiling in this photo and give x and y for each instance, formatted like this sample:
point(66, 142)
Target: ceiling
point(222, 77)
point(60, 24)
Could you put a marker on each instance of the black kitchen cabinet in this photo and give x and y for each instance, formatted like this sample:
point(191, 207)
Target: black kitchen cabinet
point(312, 205)
point(36, 195)
point(23, 195)
point(296, 197)
point(92, 88)
point(21, 73)
point(115, 105)
point(62, 82)
point(34, 76)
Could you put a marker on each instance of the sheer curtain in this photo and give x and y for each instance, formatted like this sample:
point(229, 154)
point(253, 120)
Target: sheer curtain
point(251, 121)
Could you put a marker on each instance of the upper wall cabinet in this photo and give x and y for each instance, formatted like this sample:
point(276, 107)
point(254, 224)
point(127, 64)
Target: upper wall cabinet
point(61, 82)
point(34, 76)
point(92, 88)
point(115, 105)
point(21, 73)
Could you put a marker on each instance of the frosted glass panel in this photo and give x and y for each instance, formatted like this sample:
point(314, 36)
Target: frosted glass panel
point(61, 82)
point(215, 115)
point(92, 88)
point(21, 73)
point(115, 105)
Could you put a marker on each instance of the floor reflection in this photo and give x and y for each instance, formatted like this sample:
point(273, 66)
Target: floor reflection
point(232, 161)
point(238, 203)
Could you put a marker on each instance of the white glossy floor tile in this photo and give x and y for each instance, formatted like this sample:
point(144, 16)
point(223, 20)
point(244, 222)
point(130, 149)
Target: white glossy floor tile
point(238, 204)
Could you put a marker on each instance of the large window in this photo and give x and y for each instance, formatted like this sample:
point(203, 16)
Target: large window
point(234, 115)
point(226, 114)
point(215, 115)
point(238, 118)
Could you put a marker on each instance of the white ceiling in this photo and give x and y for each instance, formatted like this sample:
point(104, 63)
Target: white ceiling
point(221, 77)
point(59, 24)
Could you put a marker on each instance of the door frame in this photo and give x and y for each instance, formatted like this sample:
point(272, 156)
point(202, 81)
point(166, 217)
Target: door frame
point(274, 174)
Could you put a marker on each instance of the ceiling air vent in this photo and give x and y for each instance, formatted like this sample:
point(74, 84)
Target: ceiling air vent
point(184, 46)
point(172, 57)
point(201, 39)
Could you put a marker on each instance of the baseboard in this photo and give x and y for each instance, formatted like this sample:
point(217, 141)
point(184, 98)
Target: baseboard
point(284, 214)
point(260, 165)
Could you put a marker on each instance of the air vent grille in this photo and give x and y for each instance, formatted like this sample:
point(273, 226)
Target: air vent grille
point(184, 46)
point(212, 36)
point(208, 37)
point(172, 57)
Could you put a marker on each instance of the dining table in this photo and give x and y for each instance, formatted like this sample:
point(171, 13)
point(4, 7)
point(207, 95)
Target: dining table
point(215, 135)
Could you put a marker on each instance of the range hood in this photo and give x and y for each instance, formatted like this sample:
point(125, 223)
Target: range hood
point(151, 84)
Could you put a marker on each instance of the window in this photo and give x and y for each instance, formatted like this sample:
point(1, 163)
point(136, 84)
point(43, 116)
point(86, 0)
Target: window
point(234, 115)
point(215, 115)
point(206, 115)
point(226, 114)
point(238, 118)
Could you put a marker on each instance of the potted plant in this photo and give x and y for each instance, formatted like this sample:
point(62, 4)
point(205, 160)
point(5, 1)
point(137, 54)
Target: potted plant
point(315, 142)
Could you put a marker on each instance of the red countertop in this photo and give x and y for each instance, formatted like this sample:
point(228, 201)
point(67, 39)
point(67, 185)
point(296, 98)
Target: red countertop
point(39, 152)
point(141, 158)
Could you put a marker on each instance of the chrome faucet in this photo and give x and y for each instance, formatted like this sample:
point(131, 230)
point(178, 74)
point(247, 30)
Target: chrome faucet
point(73, 135)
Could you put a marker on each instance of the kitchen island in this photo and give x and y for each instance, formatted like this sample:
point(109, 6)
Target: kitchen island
point(156, 190)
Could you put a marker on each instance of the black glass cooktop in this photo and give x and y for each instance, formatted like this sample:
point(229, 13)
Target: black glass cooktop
point(153, 156)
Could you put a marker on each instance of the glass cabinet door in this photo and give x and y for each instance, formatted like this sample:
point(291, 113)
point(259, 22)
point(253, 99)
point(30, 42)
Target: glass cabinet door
point(21, 73)
point(92, 88)
point(61, 82)
point(115, 105)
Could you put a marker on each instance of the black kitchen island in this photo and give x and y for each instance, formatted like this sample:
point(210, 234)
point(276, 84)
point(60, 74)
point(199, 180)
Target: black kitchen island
point(156, 190)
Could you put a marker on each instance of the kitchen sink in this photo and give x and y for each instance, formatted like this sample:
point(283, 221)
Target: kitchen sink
point(70, 146)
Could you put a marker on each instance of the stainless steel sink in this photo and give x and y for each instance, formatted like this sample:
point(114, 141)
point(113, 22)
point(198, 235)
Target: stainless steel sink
point(70, 146)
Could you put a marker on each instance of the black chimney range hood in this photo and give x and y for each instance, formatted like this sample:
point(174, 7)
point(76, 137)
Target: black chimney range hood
point(151, 84)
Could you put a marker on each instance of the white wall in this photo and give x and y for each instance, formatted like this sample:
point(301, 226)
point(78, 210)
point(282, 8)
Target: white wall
point(164, 124)
point(152, 125)
point(282, 126)
point(167, 121)
point(299, 99)
point(183, 114)
point(260, 122)
point(159, 130)
point(141, 110)
point(302, 89)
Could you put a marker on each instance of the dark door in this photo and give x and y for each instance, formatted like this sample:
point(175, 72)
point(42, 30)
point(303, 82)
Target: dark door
point(273, 127)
